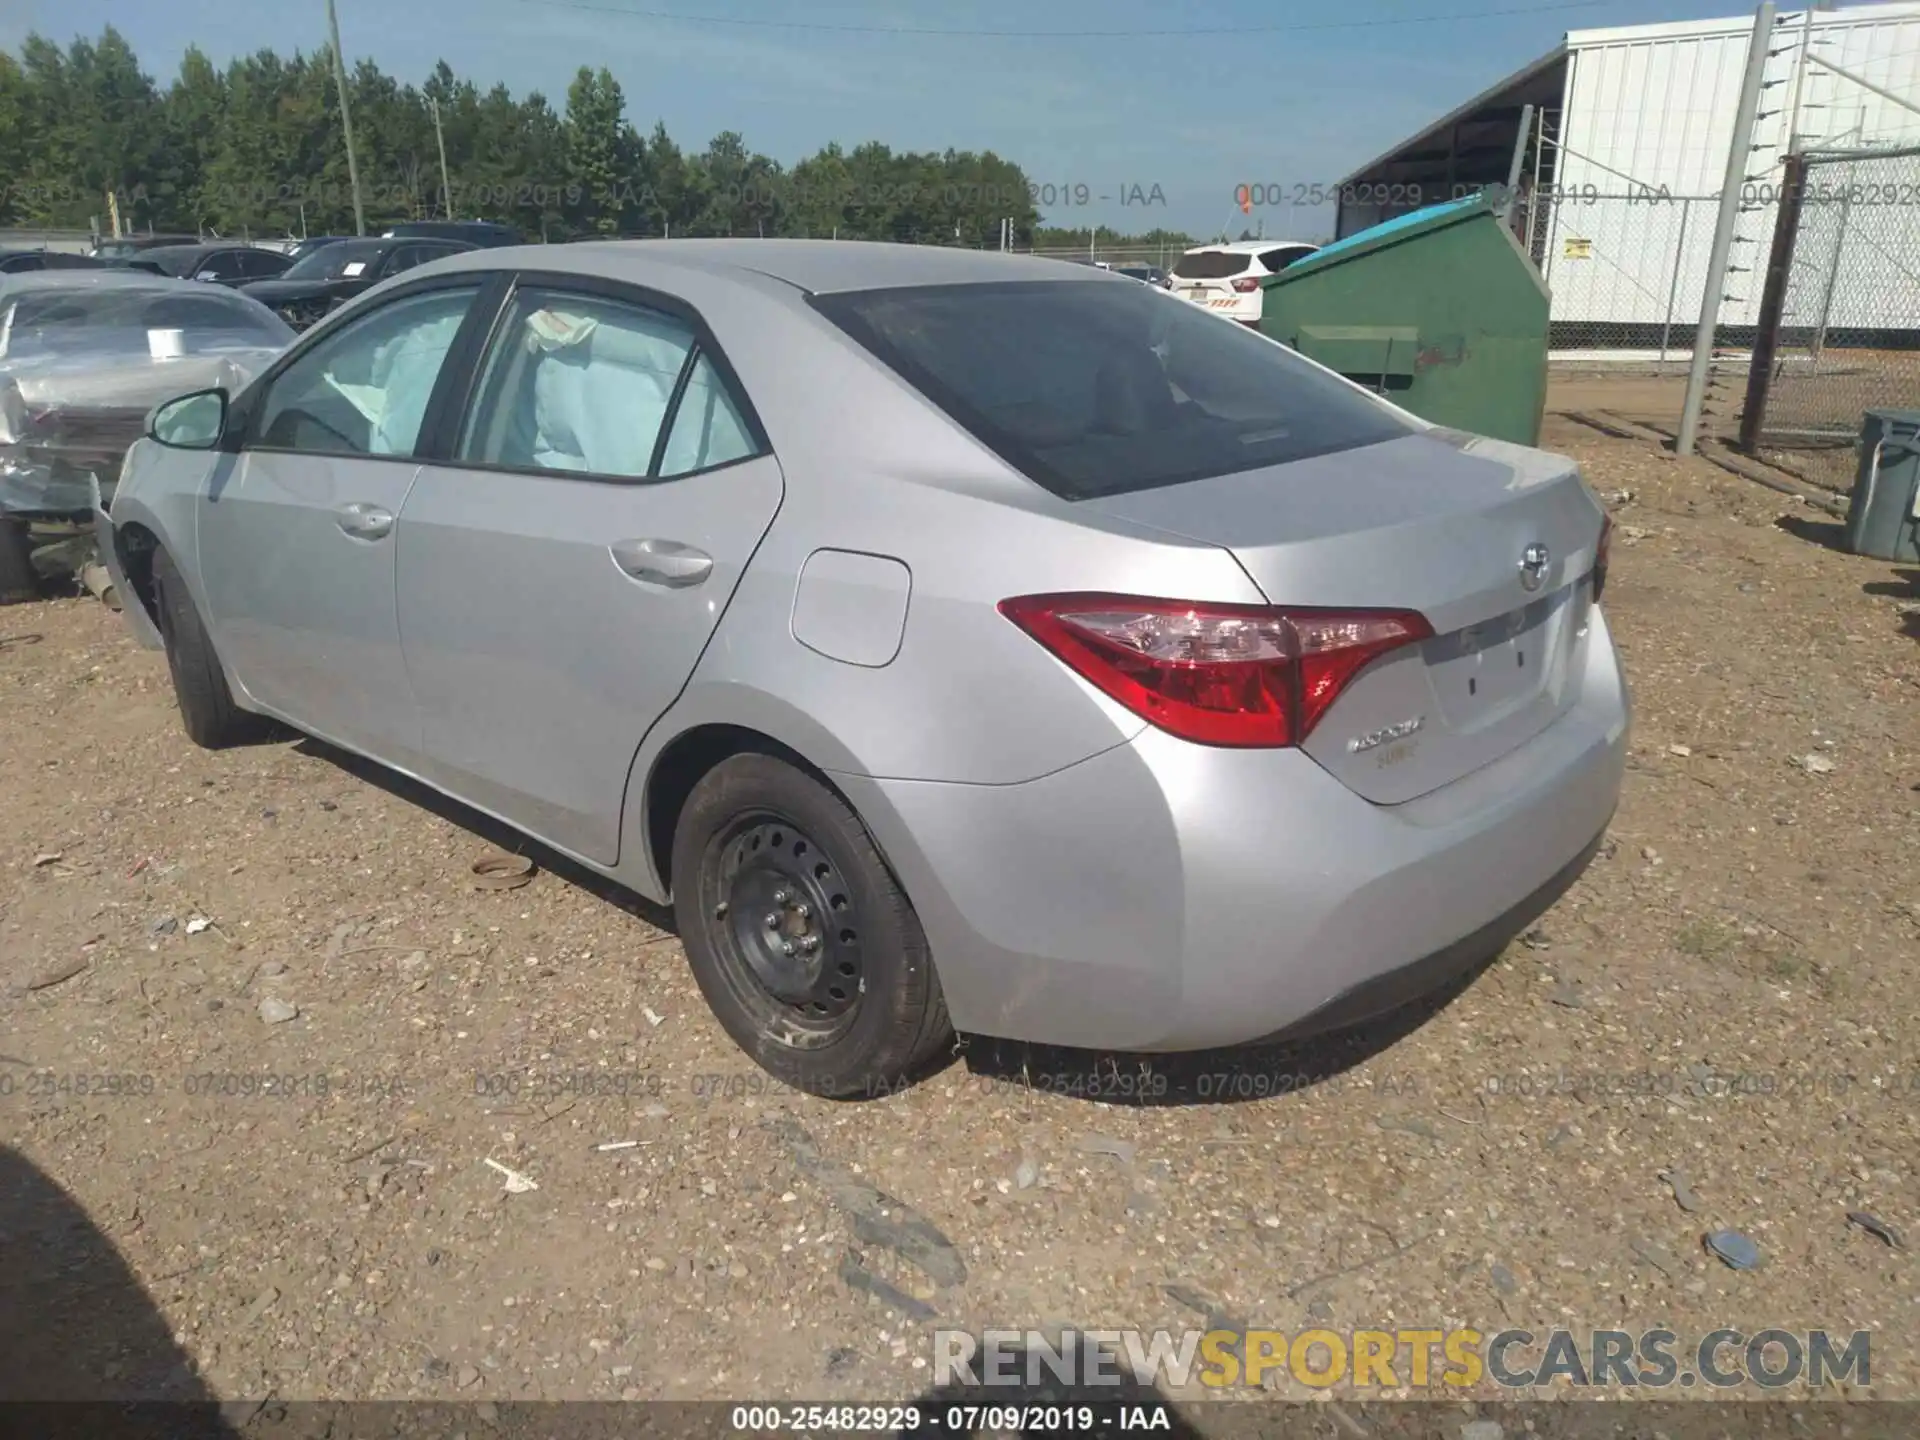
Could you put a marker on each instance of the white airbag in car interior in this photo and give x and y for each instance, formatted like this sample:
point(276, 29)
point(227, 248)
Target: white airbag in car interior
point(601, 388)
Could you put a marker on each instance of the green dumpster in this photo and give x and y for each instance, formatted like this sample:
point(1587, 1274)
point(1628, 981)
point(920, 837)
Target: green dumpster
point(1440, 311)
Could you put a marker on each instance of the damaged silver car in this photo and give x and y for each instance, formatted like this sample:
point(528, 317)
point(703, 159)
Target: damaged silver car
point(84, 355)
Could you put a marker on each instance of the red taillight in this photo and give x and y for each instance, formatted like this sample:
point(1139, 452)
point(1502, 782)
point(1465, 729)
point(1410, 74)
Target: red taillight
point(1601, 554)
point(1247, 284)
point(1239, 675)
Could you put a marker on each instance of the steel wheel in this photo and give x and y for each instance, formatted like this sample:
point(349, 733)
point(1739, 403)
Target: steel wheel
point(799, 934)
point(791, 921)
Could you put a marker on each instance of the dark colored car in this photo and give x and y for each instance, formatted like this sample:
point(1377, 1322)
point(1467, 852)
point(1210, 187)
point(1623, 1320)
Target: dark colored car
point(223, 264)
point(332, 275)
point(1146, 275)
point(485, 234)
point(127, 245)
point(16, 262)
point(306, 247)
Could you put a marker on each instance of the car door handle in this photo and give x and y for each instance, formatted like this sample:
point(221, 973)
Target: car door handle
point(364, 522)
point(662, 562)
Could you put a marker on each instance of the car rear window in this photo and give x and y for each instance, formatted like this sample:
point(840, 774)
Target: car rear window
point(1212, 264)
point(1091, 388)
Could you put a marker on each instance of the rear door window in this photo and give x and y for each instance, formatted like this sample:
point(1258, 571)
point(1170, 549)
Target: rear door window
point(577, 383)
point(1090, 388)
point(1212, 265)
point(1278, 260)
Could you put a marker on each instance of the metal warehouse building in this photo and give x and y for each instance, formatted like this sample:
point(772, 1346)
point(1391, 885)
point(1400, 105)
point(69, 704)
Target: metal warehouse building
point(1625, 155)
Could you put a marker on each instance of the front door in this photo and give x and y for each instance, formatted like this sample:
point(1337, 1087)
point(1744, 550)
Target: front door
point(560, 577)
point(296, 533)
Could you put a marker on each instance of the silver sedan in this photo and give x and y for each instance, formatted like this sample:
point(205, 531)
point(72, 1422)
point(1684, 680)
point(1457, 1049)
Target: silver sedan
point(954, 639)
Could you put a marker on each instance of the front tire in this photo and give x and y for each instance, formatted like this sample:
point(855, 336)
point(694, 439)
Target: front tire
point(804, 944)
point(207, 710)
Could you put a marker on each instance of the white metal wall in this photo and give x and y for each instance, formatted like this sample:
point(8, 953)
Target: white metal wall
point(1649, 113)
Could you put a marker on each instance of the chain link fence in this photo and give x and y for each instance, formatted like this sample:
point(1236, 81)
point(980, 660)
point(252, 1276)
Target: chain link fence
point(1842, 332)
point(1627, 273)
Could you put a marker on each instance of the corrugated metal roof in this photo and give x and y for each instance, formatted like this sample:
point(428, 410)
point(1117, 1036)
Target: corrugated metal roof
point(1446, 122)
point(1576, 40)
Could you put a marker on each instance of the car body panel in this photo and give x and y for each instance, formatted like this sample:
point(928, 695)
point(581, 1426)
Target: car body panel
point(1251, 890)
point(301, 611)
point(1416, 524)
point(490, 666)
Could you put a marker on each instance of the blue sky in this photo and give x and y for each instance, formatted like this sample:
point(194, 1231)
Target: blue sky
point(1194, 114)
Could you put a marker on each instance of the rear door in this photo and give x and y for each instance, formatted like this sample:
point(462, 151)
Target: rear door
point(562, 571)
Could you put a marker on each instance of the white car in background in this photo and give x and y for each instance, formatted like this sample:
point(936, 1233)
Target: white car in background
point(1226, 278)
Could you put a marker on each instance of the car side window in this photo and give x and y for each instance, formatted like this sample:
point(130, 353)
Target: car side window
point(1278, 260)
point(576, 383)
point(257, 264)
point(708, 429)
point(405, 257)
point(363, 390)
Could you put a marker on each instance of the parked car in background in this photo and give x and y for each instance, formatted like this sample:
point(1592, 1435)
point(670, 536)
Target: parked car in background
point(84, 355)
point(1146, 275)
point(326, 278)
point(483, 233)
point(955, 639)
point(1226, 278)
point(300, 249)
point(125, 245)
point(21, 262)
point(225, 263)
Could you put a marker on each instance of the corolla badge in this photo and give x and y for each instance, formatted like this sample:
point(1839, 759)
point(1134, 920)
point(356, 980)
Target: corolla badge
point(1374, 739)
point(1533, 566)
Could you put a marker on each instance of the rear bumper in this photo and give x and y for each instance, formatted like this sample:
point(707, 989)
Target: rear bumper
point(1167, 896)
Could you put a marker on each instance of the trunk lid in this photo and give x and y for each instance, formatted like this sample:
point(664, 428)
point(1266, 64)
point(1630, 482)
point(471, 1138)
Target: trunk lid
point(1439, 523)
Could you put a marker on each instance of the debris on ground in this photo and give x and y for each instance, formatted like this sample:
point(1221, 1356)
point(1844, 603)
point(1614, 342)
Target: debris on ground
point(1814, 763)
point(1876, 1227)
point(276, 1011)
point(1121, 1150)
point(54, 972)
point(515, 1182)
point(1683, 1196)
point(1735, 1249)
point(501, 871)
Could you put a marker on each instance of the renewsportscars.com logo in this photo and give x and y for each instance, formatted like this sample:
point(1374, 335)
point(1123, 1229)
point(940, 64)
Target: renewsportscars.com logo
point(1460, 1358)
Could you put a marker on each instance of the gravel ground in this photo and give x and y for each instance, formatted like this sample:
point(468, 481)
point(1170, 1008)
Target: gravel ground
point(318, 1033)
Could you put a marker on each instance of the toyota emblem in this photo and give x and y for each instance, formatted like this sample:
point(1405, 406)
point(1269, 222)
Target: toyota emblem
point(1533, 567)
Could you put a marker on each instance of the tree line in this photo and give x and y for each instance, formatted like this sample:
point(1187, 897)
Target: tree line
point(258, 149)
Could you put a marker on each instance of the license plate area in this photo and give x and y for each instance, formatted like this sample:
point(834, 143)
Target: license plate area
point(1487, 669)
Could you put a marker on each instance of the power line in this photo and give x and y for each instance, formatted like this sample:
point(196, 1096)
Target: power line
point(676, 17)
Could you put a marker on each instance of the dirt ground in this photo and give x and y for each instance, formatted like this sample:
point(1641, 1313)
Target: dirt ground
point(1718, 1027)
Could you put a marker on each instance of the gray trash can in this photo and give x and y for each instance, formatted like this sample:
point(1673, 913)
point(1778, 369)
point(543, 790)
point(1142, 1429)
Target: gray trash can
point(1883, 514)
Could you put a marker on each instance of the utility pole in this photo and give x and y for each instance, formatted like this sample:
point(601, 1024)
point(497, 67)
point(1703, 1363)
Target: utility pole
point(1730, 192)
point(440, 140)
point(346, 120)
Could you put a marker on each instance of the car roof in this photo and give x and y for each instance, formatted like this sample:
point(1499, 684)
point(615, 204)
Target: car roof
point(816, 267)
point(96, 280)
point(1253, 247)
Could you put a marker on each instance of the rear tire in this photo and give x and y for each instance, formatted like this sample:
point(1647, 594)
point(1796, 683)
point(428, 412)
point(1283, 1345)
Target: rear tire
point(207, 711)
point(18, 582)
point(804, 944)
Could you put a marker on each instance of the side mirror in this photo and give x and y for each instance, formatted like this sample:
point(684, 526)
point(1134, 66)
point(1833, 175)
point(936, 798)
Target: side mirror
point(192, 422)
